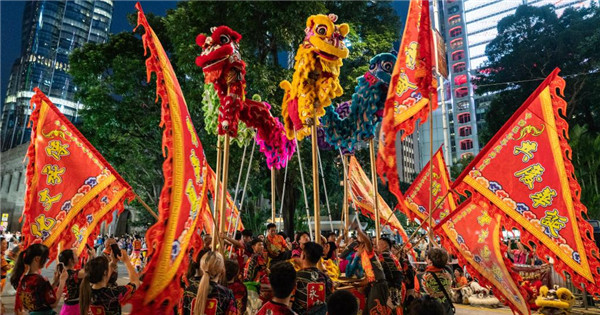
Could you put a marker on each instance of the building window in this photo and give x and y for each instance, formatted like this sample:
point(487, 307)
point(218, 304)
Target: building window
point(464, 118)
point(457, 31)
point(464, 131)
point(453, 10)
point(466, 155)
point(456, 43)
point(461, 92)
point(459, 67)
point(466, 144)
point(463, 105)
point(458, 55)
point(454, 20)
point(460, 79)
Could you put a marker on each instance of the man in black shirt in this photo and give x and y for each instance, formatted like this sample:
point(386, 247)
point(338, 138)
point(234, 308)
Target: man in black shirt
point(313, 286)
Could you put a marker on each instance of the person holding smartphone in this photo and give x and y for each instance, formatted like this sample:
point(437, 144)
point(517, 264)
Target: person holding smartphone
point(67, 260)
point(96, 296)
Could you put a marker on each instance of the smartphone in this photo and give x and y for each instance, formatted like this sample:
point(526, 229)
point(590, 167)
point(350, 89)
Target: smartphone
point(115, 250)
point(60, 267)
point(89, 247)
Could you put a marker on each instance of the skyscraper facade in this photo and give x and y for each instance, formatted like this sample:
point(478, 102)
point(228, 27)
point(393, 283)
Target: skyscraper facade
point(51, 31)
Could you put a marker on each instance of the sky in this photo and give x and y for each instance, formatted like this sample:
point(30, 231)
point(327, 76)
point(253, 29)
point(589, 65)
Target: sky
point(11, 13)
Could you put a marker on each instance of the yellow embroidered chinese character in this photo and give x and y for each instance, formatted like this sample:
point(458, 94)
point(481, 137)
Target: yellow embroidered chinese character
point(190, 191)
point(543, 198)
point(53, 173)
point(484, 218)
point(56, 149)
point(411, 55)
point(47, 200)
point(527, 148)
point(483, 236)
point(531, 174)
point(42, 224)
point(553, 222)
point(497, 272)
point(435, 188)
point(485, 253)
point(197, 167)
point(190, 128)
point(436, 175)
point(404, 84)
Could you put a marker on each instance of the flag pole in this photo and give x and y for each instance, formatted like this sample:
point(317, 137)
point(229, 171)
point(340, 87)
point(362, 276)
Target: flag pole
point(315, 169)
point(146, 206)
point(429, 229)
point(223, 197)
point(273, 197)
point(216, 196)
point(375, 193)
point(345, 164)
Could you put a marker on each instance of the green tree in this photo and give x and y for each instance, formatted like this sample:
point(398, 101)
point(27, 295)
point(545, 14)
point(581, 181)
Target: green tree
point(457, 168)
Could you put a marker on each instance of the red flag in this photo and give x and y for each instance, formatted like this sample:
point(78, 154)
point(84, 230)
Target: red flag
point(417, 195)
point(473, 235)
point(525, 171)
point(411, 87)
point(361, 196)
point(183, 196)
point(68, 181)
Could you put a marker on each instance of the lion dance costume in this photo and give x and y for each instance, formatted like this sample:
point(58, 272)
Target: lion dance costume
point(224, 68)
point(366, 109)
point(316, 76)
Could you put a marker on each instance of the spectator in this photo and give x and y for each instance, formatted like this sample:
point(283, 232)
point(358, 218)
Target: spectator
point(232, 272)
point(436, 281)
point(391, 269)
point(283, 281)
point(277, 248)
point(342, 302)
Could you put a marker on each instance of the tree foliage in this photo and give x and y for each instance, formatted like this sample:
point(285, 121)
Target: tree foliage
point(529, 45)
point(121, 118)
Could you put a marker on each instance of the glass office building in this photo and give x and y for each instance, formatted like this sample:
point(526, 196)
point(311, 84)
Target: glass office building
point(51, 31)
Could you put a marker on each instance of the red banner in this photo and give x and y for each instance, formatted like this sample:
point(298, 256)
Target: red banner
point(361, 195)
point(417, 195)
point(526, 173)
point(411, 88)
point(70, 187)
point(473, 235)
point(183, 196)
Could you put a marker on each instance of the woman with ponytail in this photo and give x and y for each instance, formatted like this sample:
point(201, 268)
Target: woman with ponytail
point(95, 296)
point(34, 292)
point(68, 258)
point(204, 294)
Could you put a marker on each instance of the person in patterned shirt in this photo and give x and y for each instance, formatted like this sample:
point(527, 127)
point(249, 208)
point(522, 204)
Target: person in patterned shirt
point(34, 292)
point(232, 271)
point(283, 281)
point(256, 267)
point(436, 274)
point(313, 286)
point(69, 259)
point(393, 275)
point(211, 297)
point(277, 248)
point(95, 296)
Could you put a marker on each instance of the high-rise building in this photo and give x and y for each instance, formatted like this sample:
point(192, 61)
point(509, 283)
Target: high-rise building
point(467, 27)
point(51, 31)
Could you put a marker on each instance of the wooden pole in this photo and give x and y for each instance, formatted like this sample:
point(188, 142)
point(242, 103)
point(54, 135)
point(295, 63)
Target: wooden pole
point(146, 206)
point(216, 196)
point(315, 166)
point(346, 164)
point(223, 197)
point(430, 229)
point(375, 193)
point(273, 197)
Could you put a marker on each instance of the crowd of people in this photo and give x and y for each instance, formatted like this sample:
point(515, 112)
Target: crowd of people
point(264, 274)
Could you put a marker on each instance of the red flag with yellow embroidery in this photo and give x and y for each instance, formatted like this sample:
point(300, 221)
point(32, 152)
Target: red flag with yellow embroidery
point(417, 195)
point(70, 187)
point(526, 172)
point(361, 195)
point(183, 196)
point(473, 235)
point(411, 88)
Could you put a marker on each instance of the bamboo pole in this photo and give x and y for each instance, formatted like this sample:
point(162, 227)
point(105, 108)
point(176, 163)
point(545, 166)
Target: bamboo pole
point(223, 197)
point(146, 206)
point(430, 229)
point(315, 169)
point(375, 192)
point(216, 196)
point(273, 195)
point(345, 165)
